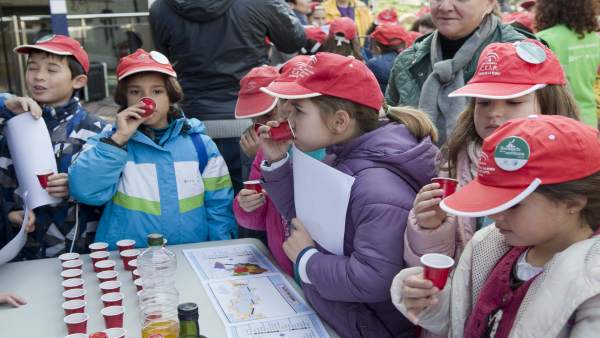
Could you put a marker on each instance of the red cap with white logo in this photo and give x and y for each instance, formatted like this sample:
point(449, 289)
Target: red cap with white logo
point(509, 70)
point(142, 61)
point(59, 45)
point(390, 35)
point(343, 29)
point(523, 154)
point(332, 75)
point(251, 100)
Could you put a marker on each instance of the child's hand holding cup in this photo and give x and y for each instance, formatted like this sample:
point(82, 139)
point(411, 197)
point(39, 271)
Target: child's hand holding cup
point(276, 138)
point(251, 197)
point(426, 207)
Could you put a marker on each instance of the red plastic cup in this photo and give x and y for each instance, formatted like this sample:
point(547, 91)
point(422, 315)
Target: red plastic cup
point(149, 106)
point(138, 284)
point(127, 256)
point(68, 256)
point(436, 268)
point(253, 185)
point(448, 185)
point(112, 299)
point(77, 335)
point(125, 244)
point(135, 274)
point(133, 264)
point(116, 332)
point(72, 283)
point(71, 273)
point(108, 275)
point(74, 294)
point(105, 265)
point(74, 306)
point(256, 126)
point(113, 316)
point(43, 175)
point(72, 264)
point(76, 323)
point(98, 246)
point(98, 256)
point(100, 334)
point(110, 286)
point(282, 132)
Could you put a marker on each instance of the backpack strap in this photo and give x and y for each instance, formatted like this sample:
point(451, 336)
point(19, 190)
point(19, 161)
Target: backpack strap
point(200, 151)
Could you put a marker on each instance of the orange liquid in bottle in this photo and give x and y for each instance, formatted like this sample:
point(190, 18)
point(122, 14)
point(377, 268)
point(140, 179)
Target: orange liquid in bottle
point(166, 329)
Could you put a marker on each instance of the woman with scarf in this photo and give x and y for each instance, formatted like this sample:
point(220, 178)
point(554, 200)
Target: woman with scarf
point(441, 62)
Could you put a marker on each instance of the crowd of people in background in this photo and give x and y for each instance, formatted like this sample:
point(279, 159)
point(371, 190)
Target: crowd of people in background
point(505, 104)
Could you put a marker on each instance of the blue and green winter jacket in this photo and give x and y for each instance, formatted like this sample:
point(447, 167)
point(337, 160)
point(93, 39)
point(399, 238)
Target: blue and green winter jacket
point(156, 187)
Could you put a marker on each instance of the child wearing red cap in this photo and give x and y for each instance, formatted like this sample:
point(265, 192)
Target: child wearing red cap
point(336, 102)
point(536, 271)
point(386, 42)
point(57, 67)
point(255, 210)
point(155, 171)
point(315, 38)
point(343, 39)
point(512, 80)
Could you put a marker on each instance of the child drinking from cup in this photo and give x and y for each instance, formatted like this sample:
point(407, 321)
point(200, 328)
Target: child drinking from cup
point(336, 102)
point(534, 272)
point(508, 84)
point(157, 172)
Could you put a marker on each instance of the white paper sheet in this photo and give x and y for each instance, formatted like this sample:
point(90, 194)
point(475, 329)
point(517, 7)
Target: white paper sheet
point(306, 326)
point(321, 194)
point(31, 151)
point(12, 248)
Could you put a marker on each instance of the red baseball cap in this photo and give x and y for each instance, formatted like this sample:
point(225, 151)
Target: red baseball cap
point(523, 18)
point(523, 154)
point(527, 4)
point(412, 37)
point(59, 45)
point(343, 27)
point(509, 70)
point(332, 75)
point(390, 35)
point(387, 16)
point(315, 33)
point(251, 101)
point(142, 61)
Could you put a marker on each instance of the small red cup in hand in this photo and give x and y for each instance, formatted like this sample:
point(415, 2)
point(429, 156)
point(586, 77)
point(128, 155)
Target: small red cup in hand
point(43, 177)
point(436, 268)
point(282, 132)
point(149, 106)
point(253, 185)
point(113, 316)
point(448, 185)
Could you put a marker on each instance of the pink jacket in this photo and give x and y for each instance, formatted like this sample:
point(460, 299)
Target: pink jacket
point(265, 218)
point(451, 237)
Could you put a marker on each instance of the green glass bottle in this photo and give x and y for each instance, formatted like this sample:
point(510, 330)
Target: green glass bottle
point(188, 320)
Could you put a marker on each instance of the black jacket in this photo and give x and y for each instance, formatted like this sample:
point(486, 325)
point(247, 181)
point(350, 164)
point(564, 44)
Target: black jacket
point(214, 43)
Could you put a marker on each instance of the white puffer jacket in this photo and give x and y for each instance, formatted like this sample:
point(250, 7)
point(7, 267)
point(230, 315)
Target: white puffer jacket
point(564, 301)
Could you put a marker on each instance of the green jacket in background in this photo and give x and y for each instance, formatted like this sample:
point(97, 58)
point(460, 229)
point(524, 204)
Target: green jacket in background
point(580, 59)
point(413, 66)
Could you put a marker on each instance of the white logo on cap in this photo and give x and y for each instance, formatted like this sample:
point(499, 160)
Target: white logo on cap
point(490, 65)
point(159, 57)
point(302, 69)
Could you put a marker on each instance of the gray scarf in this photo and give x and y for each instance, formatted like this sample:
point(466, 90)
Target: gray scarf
point(447, 76)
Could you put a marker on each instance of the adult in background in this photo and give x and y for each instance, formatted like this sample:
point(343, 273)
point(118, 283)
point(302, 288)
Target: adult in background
point(569, 28)
point(353, 9)
point(443, 61)
point(212, 45)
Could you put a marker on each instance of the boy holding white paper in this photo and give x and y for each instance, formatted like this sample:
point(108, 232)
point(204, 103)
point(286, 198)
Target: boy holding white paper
point(57, 67)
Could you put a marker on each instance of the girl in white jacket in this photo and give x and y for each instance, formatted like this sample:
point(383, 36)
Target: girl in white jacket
point(536, 271)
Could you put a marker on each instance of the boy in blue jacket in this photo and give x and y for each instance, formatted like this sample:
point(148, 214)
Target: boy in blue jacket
point(156, 171)
point(57, 67)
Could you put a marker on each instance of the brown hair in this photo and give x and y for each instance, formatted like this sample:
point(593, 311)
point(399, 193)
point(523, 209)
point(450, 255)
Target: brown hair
point(345, 49)
point(577, 15)
point(588, 187)
point(367, 118)
point(398, 47)
point(174, 91)
point(552, 100)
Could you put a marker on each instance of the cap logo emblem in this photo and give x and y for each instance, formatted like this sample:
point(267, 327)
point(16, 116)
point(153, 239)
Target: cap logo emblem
point(45, 38)
point(512, 153)
point(530, 52)
point(159, 57)
point(490, 65)
point(301, 70)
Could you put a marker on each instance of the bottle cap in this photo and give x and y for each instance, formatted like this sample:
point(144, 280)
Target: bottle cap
point(155, 240)
point(187, 311)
